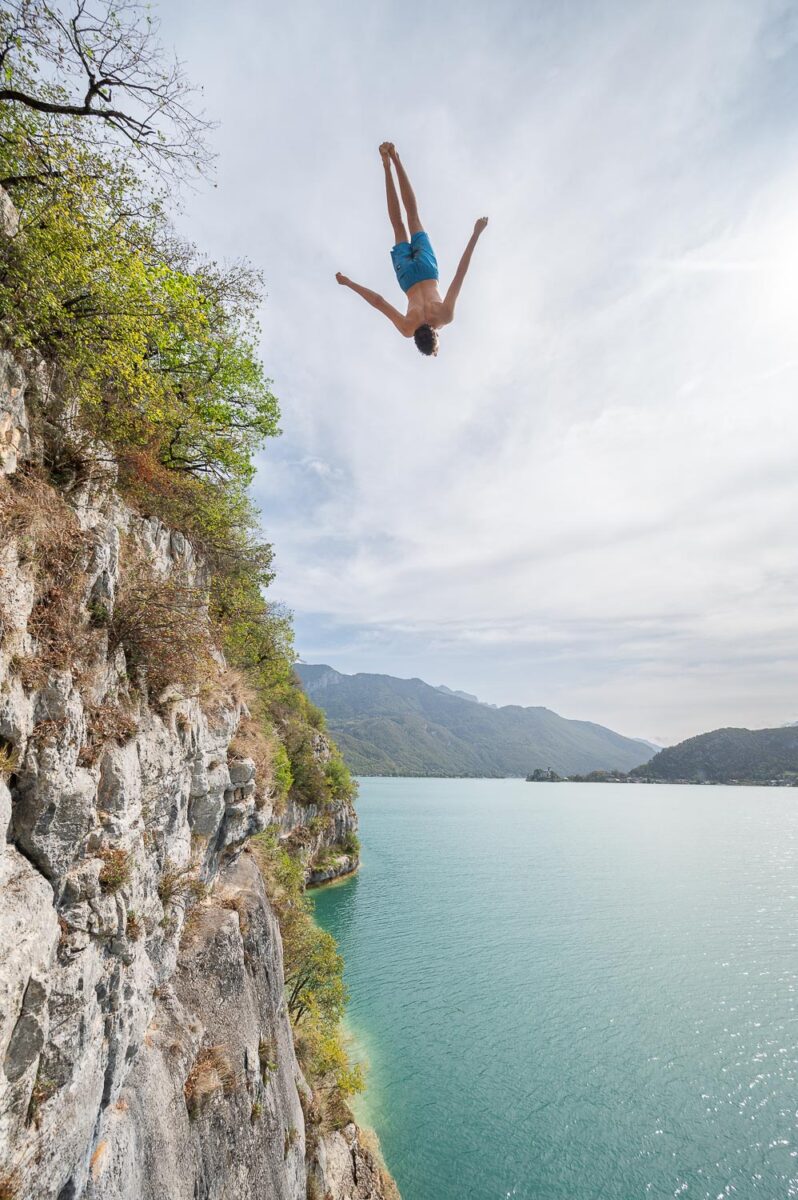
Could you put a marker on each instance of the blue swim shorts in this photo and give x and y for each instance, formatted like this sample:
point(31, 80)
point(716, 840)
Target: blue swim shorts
point(414, 261)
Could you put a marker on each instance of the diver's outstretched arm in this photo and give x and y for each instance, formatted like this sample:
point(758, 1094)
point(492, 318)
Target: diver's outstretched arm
point(379, 302)
point(454, 287)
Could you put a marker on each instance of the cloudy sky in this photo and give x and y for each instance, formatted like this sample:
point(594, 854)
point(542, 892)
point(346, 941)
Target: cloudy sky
point(589, 500)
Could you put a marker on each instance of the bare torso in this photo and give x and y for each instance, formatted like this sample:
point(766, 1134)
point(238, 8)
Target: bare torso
point(425, 306)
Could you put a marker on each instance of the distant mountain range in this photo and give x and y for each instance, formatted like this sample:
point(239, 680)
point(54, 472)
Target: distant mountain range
point(463, 695)
point(389, 726)
point(728, 756)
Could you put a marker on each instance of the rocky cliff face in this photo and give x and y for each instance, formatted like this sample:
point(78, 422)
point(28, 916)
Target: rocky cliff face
point(145, 1048)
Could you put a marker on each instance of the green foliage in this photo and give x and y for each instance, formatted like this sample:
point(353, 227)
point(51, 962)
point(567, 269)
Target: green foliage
point(728, 756)
point(314, 781)
point(309, 778)
point(340, 784)
point(315, 716)
point(258, 639)
point(323, 1055)
point(157, 343)
point(350, 843)
point(315, 992)
point(281, 770)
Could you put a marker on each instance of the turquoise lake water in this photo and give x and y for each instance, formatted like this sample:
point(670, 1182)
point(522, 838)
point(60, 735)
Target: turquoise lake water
point(574, 992)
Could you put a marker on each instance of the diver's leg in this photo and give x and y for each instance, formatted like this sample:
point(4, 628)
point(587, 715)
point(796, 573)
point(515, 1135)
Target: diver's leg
point(394, 210)
point(408, 195)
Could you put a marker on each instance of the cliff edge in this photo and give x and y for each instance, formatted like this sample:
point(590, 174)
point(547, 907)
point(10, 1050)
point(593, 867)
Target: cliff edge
point(146, 1045)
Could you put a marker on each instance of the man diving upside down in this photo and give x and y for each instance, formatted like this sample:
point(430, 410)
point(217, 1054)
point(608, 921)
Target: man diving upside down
point(415, 265)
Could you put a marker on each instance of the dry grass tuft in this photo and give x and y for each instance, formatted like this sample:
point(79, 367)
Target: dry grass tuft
point(212, 1072)
point(50, 541)
point(267, 1057)
point(290, 1140)
point(43, 1090)
point(106, 723)
point(180, 883)
point(228, 687)
point(162, 625)
point(48, 731)
point(115, 871)
point(252, 741)
point(133, 926)
point(9, 759)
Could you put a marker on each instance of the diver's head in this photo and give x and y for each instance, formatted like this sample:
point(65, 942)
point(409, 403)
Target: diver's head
point(426, 338)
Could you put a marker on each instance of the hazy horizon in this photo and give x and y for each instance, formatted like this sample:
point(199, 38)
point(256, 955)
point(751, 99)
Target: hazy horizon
point(586, 502)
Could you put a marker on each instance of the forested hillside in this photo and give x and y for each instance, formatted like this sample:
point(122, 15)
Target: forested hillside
point(729, 756)
point(389, 726)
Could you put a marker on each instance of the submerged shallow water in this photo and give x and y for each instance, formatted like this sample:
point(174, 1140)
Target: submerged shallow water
point(567, 992)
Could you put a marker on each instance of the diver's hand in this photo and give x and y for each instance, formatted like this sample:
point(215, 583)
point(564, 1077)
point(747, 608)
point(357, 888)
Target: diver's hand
point(480, 225)
point(342, 279)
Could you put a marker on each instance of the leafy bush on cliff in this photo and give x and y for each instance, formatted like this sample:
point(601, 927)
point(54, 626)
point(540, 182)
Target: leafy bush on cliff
point(315, 990)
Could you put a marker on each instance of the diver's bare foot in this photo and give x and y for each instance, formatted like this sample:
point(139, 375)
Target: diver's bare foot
point(387, 151)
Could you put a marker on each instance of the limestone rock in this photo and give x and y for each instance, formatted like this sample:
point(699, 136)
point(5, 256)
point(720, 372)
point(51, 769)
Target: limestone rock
point(27, 950)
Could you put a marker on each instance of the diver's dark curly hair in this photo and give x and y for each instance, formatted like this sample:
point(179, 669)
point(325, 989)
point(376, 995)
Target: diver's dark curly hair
point(426, 339)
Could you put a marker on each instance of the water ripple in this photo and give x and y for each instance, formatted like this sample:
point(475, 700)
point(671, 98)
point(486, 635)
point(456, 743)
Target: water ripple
point(567, 991)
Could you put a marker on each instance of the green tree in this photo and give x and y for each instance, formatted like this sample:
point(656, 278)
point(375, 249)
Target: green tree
point(314, 975)
point(158, 345)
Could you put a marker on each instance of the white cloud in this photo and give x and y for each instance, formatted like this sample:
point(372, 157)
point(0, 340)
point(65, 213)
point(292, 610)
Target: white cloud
point(600, 462)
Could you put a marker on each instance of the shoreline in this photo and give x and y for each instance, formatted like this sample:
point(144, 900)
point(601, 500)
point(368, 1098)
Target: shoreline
point(363, 1103)
point(343, 877)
